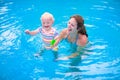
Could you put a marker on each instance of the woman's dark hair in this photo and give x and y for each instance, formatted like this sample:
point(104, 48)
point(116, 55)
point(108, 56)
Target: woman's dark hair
point(80, 24)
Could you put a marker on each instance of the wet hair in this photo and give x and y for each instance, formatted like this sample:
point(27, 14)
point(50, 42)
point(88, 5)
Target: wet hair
point(47, 14)
point(80, 24)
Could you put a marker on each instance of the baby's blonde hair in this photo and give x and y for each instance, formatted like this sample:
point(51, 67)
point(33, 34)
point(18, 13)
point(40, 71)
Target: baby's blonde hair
point(47, 14)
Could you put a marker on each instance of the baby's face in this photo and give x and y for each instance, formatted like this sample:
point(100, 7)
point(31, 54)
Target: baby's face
point(47, 23)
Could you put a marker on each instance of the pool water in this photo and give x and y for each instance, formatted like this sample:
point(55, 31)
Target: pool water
point(100, 61)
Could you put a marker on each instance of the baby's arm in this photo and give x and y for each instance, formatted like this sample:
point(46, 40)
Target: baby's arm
point(32, 32)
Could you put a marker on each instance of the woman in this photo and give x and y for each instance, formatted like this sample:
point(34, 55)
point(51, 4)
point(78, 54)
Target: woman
point(75, 33)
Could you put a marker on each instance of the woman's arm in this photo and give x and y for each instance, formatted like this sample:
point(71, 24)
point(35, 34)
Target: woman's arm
point(60, 37)
point(73, 55)
point(81, 43)
point(77, 52)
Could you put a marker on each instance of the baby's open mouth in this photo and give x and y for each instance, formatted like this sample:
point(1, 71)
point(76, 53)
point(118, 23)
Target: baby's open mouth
point(46, 26)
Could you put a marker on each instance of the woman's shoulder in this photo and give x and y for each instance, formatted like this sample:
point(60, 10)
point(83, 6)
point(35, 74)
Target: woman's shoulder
point(63, 33)
point(64, 30)
point(82, 40)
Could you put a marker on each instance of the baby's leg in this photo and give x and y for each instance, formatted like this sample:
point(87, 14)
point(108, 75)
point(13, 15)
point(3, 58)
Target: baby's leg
point(40, 52)
point(55, 53)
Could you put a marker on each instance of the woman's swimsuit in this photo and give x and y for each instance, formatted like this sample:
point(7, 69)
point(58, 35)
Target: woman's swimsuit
point(74, 46)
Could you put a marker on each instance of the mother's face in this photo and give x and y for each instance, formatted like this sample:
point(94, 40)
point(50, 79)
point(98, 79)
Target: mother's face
point(72, 25)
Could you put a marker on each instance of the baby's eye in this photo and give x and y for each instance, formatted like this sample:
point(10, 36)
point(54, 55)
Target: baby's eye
point(43, 22)
point(68, 22)
point(48, 22)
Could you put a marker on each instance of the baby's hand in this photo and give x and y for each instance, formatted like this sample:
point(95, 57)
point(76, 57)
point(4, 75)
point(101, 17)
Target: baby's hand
point(27, 31)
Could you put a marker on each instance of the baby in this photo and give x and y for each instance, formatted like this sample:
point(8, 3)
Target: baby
point(48, 33)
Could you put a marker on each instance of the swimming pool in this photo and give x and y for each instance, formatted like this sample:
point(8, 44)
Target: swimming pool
point(102, 59)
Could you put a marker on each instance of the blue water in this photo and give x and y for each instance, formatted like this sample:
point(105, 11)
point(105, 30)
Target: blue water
point(100, 61)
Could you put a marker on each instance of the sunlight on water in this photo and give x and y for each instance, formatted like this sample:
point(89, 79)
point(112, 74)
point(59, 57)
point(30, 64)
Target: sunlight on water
point(98, 61)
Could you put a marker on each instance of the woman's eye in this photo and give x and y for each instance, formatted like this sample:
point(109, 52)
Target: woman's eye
point(72, 25)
